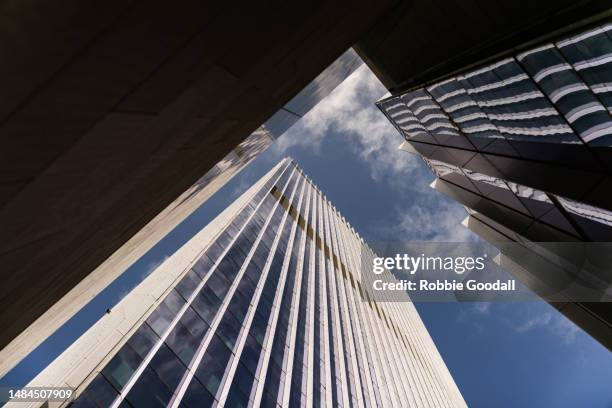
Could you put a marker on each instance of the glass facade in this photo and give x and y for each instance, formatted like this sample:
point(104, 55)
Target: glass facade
point(525, 144)
point(557, 93)
point(525, 141)
point(272, 313)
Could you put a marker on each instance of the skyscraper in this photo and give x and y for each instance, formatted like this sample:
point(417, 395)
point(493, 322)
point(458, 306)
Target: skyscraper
point(101, 134)
point(183, 206)
point(264, 307)
point(524, 142)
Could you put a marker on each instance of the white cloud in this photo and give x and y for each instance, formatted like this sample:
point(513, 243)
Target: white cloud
point(241, 188)
point(350, 111)
point(481, 307)
point(533, 322)
point(432, 218)
point(552, 321)
point(475, 311)
point(533, 316)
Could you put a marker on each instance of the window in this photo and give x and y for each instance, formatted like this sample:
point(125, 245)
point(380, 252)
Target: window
point(149, 391)
point(194, 323)
point(197, 396)
point(275, 380)
point(203, 266)
point(259, 326)
point(119, 370)
point(188, 284)
point(236, 399)
point(212, 367)
point(241, 386)
point(237, 254)
point(239, 304)
point(218, 284)
point(98, 393)
point(182, 343)
point(143, 340)
point(168, 367)
point(224, 239)
point(249, 280)
point(174, 302)
point(160, 319)
point(83, 401)
point(251, 354)
point(206, 304)
point(227, 267)
point(214, 252)
point(228, 330)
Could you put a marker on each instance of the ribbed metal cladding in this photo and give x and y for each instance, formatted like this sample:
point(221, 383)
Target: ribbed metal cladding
point(272, 313)
point(557, 93)
point(525, 140)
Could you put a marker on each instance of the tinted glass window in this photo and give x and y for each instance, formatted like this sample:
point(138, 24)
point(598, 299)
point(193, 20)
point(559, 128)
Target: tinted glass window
point(143, 340)
point(119, 370)
point(149, 391)
point(206, 304)
point(98, 393)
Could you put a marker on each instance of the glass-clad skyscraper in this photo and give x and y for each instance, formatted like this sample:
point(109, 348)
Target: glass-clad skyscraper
point(525, 144)
point(262, 308)
point(183, 206)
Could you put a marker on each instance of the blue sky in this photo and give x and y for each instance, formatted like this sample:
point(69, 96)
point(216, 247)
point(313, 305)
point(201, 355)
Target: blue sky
point(500, 354)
